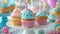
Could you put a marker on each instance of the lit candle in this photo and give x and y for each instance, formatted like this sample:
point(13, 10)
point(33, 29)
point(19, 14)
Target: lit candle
point(44, 5)
point(27, 4)
point(57, 4)
point(31, 0)
point(16, 7)
point(4, 1)
point(40, 9)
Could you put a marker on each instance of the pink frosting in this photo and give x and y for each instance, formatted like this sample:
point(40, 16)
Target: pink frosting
point(16, 13)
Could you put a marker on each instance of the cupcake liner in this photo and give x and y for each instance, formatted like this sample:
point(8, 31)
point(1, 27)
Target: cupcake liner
point(5, 10)
point(16, 21)
point(27, 23)
point(42, 21)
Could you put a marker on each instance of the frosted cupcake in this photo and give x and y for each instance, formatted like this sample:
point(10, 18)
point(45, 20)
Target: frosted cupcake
point(51, 18)
point(5, 8)
point(27, 18)
point(57, 27)
point(56, 12)
point(16, 20)
point(41, 18)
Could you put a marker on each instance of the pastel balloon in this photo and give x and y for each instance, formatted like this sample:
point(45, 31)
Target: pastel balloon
point(52, 3)
point(44, 0)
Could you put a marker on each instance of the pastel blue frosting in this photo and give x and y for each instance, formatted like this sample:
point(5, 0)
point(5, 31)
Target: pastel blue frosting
point(52, 16)
point(4, 5)
point(27, 14)
point(40, 14)
point(11, 2)
point(56, 26)
point(56, 9)
point(51, 21)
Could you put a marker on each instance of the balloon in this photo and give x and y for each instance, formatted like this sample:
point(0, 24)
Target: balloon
point(52, 3)
point(44, 0)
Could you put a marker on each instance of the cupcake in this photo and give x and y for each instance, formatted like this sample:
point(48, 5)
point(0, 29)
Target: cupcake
point(5, 8)
point(27, 18)
point(41, 18)
point(16, 20)
point(11, 5)
point(57, 27)
point(51, 18)
point(56, 12)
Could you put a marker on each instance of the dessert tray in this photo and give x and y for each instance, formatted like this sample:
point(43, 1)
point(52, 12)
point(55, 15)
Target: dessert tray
point(46, 28)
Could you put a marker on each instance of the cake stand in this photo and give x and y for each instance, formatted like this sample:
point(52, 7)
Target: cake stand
point(29, 30)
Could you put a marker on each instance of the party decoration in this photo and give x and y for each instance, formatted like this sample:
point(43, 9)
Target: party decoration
point(44, 5)
point(52, 3)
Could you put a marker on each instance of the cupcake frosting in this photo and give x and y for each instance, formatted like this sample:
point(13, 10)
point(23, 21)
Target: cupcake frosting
point(16, 13)
point(11, 2)
point(4, 5)
point(52, 16)
point(41, 14)
point(56, 26)
point(57, 10)
point(27, 14)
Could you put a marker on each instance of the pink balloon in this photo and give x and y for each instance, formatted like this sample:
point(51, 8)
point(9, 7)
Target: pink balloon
point(44, 0)
point(52, 3)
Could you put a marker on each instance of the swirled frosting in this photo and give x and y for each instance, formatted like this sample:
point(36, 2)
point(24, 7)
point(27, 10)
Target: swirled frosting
point(27, 14)
point(52, 16)
point(4, 5)
point(56, 10)
point(41, 14)
point(16, 13)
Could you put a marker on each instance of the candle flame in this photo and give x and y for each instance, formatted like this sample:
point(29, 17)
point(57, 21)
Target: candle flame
point(57, 4)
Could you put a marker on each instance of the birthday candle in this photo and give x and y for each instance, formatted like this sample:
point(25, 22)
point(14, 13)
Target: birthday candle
point(57, 4)
point(40, 9)
point(16, 5)
point(31, 0)
point(4, 1)
point(26, 7)
point(44, 5)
